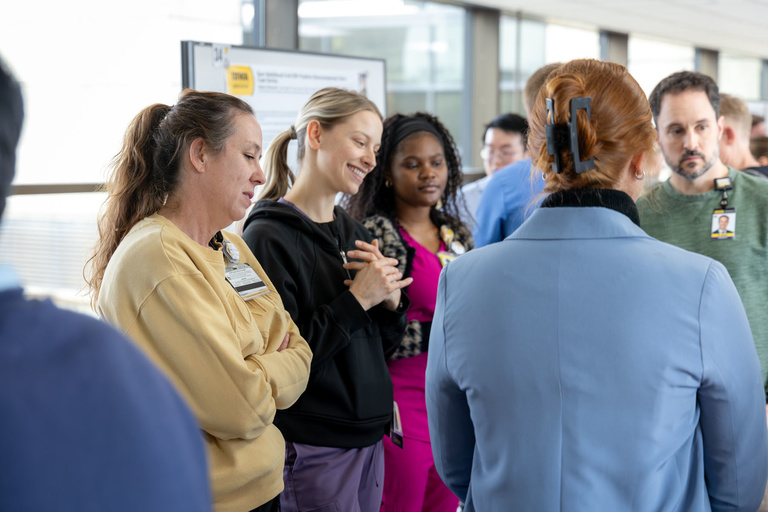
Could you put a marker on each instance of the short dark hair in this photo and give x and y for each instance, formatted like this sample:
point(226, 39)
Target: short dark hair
point(681, 82)
point(11, 117)
point(512, 123)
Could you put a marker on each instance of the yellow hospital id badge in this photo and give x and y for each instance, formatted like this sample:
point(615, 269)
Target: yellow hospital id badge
point(724, 224)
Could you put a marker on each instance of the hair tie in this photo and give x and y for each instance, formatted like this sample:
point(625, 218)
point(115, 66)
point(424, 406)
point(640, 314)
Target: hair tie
point(565, 136)
point(406, 126)
point(293, 133)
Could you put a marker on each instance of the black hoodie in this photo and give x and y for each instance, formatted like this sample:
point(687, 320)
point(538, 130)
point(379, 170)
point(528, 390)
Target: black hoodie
point(348, 401)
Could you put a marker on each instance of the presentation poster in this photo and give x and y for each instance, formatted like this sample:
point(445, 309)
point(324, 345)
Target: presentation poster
point(277, 83)
point(276, 93)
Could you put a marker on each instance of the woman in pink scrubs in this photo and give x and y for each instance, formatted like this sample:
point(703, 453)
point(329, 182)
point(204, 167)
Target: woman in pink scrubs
point(409, 203)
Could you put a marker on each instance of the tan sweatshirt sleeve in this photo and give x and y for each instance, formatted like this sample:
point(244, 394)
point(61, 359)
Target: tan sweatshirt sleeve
point(287, 371)
point(199, 341)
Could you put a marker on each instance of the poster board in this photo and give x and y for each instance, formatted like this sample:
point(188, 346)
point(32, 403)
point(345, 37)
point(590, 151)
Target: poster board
point(277, 83)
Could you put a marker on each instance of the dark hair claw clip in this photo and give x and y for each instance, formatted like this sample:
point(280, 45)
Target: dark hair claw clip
point(580, 103)
point(566, 136)
point(554, 136)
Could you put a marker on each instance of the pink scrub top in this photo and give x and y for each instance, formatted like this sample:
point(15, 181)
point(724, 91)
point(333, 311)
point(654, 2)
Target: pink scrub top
point(408, 374)
point(425, 271)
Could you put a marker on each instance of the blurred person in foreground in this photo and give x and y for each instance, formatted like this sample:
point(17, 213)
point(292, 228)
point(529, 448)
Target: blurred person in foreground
point(193, 297)
point(87, 423)
point(595, 394)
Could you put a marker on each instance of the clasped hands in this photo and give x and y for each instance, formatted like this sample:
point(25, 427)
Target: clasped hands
point(378, 281)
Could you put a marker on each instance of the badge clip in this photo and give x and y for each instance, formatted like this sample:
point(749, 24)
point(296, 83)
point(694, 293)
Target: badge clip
point(723, 185)
point(396, 428)
point(230, 251)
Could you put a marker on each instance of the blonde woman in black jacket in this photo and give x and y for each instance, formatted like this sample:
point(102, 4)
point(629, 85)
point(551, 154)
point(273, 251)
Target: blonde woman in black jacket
point(342, 293)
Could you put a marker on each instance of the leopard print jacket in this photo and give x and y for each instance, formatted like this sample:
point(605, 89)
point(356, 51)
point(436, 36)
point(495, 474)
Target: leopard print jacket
point(416, 338)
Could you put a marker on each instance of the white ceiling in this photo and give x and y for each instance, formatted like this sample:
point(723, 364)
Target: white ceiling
point(732, 26)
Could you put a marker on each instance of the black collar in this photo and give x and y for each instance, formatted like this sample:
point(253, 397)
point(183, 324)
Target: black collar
point(603, 197)
point(216, 241)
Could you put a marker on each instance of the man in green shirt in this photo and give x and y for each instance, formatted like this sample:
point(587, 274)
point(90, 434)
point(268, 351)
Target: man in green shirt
point(686, 210)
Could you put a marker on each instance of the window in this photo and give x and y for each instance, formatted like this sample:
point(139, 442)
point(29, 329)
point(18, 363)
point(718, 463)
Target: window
point(568, 43)
point(649, 61)
point(511, 85)
point(526, 45)
point(739, 76)
point(101, 64)
point(422, 43)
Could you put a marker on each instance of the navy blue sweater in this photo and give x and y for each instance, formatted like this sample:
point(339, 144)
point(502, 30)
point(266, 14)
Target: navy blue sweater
point(87, 423)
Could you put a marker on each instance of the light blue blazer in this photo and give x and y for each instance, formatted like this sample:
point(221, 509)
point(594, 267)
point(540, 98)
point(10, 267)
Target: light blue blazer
point(581, 365)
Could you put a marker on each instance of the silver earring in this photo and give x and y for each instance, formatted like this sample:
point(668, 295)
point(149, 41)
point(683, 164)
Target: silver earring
point(639, 174)
point(165, 199)
point(544, 176)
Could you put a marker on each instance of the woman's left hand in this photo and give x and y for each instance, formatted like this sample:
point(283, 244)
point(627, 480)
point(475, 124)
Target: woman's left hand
point(369, 252)
point(284, 344)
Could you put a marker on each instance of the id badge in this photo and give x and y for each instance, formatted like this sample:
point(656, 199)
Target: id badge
point(724, 224)
point(245, 281)
point(395, 427)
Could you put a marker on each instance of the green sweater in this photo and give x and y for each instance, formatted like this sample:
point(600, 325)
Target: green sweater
point(685, 220)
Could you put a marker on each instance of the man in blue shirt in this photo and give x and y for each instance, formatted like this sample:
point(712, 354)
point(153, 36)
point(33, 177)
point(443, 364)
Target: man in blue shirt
point(87, 423)
point(513, 192)
point(504, 143)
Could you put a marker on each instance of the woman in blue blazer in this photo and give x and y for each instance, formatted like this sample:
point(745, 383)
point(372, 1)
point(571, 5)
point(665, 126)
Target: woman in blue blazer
point(581, 364)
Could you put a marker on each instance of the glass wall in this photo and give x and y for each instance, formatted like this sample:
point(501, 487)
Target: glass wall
point(739, 76)
point(421, 42)
point(87, 68)
point(510, 83)
point(526, 45)
point(651, 60)
point(568, 43)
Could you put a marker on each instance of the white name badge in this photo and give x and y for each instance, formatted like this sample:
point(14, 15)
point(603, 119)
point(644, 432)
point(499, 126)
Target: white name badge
point(245, 281)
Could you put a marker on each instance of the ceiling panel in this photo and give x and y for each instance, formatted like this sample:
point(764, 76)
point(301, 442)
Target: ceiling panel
point(734, 26)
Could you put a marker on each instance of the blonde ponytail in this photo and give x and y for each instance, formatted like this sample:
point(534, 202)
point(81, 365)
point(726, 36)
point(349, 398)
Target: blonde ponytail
point(280, 177)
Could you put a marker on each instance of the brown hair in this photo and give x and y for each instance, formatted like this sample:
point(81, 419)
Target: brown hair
point(620, 125)
point(684, 81)
point(736, 110)
point(147, 168)
point(758, 146)
point(329, 106)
